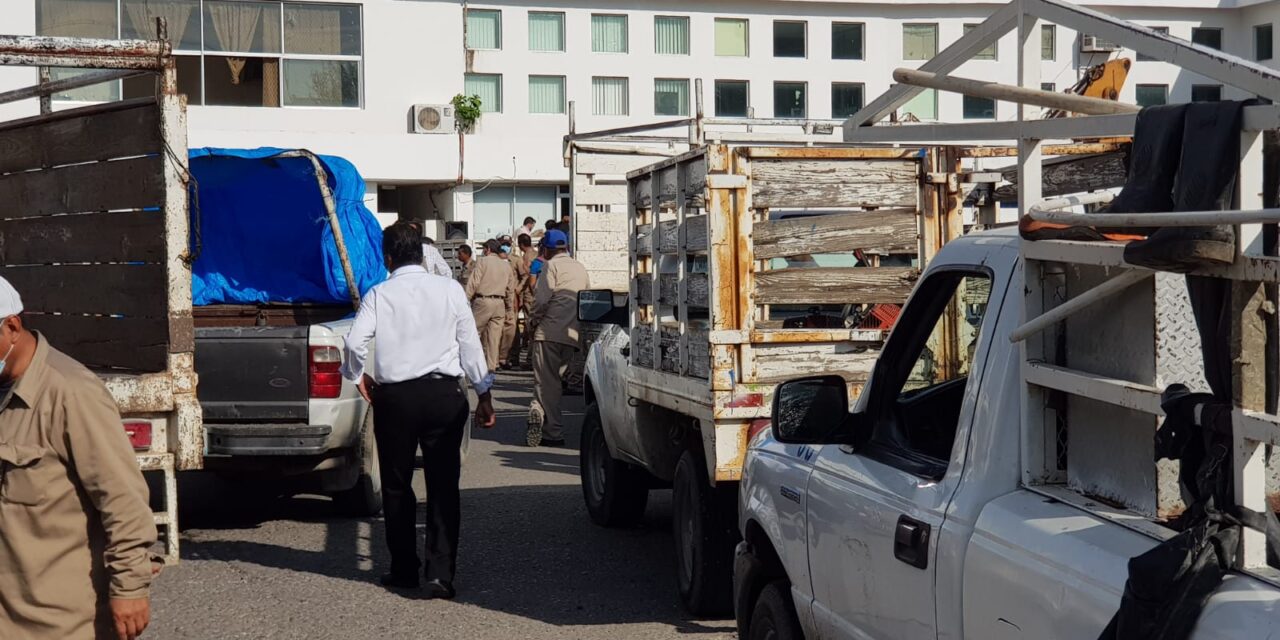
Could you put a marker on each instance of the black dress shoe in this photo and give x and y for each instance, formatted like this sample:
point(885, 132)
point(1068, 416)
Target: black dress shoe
point(394, 581)
point(442, 589)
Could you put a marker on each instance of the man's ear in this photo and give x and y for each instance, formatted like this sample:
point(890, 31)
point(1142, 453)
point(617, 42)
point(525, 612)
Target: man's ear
point(14, 323)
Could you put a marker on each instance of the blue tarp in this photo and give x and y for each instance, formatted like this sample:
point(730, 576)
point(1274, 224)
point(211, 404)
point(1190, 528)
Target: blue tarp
point(264, 233)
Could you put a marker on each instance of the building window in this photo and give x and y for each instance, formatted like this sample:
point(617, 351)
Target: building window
point(489, 87)
point(484, 29)
point(1048, 86)
point(546, 31)
point(989, 53)
point(671, 35)
point(731, 98)
point(846, 99)
point(731, 37)
point(1262, 42)
point(1208, 36)
point(265, 54)
point(789, 100)
point(1150, 95)
point(546, 94)
point(788, 39)
point(608, 33)
point(1142, 57)
point(1048, 42)
point(979, 108)
point(1206, 93)
point(846, 41)
point(919, 41)
point(924, 106)
point(610, 97)
point(670, 97)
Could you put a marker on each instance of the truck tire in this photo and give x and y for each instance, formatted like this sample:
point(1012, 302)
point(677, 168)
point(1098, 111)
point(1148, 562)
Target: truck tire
point(364, 500)
point(775, 617)
point(702, 523)
point(615, 492)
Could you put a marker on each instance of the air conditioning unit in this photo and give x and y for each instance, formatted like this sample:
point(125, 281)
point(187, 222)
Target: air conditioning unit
point(433, 118)
point(1094, 44)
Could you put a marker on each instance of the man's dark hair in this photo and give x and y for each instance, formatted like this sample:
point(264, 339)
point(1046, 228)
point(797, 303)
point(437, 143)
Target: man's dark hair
point(524, 241)
point(492, 245)
point(530, 220)
point(465, 250)
point(428, 240)
point(551, 224)
point(402, 244)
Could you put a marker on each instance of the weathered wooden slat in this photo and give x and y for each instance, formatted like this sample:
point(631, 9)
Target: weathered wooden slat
point(135, 236)
point(779, 362)
point(1070, 174)
point(644, 288)
point(669, 235)
point(138, 344)
point(695, 183)
point(669, 348)
point(696, 286)
point(834, 183)
point(695, 233)
point(699, 352)
point(642, 351)
point(888, 230)
point(599, 194)
point(643, 246)
point(108, 289)
point(835, 285)
point(68, 139)
point(135, 183)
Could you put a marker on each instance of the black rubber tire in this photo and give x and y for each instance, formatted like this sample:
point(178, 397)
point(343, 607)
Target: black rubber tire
point(703, 527)
point(364, 500)
point(774, 617)
point(615, 492)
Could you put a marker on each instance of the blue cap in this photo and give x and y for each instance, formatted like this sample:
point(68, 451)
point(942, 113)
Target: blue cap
point(556, 239)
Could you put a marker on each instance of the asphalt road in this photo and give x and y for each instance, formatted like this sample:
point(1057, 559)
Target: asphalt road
point(531, 564)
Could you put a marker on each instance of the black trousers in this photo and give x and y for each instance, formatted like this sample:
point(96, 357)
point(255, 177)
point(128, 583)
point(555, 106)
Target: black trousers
point(430, 413)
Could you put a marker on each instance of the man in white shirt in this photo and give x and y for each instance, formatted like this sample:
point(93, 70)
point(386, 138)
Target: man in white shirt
point(427, 341)
point(433, 261)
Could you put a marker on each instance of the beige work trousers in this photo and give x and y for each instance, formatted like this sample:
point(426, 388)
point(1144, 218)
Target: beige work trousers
point(550, 359)
point(508, 337)
point(489, 314)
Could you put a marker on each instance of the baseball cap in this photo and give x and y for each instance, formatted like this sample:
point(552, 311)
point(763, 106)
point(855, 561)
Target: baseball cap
point(10, 301)
point(556, 239)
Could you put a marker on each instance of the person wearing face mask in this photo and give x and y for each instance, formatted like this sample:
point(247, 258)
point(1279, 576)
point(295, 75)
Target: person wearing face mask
point(75, 523)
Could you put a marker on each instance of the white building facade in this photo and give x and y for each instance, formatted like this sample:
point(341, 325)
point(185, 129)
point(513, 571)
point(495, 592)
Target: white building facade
point(342, 77)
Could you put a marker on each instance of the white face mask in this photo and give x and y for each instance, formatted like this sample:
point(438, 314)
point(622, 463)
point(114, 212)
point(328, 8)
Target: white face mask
point(5, 360)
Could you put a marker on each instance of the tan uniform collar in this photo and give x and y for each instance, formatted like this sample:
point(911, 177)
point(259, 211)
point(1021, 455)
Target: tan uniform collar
point(28, 386)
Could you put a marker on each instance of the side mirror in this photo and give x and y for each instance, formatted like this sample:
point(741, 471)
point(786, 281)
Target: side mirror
point(810, 410)
point(596, 305)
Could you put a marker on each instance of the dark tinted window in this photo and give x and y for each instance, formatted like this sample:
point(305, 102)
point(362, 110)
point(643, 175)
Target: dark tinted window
point(846, 41)
point(731, 98)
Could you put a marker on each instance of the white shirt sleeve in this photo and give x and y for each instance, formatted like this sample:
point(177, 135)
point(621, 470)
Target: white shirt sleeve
point(435, 262)
point(470, 353)
point(358, 338)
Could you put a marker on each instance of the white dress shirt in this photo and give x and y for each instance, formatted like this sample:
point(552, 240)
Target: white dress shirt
point(434, 262)
point(423, 325)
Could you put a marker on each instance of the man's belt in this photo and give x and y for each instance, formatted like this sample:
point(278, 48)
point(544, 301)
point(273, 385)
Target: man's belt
point(484, 296)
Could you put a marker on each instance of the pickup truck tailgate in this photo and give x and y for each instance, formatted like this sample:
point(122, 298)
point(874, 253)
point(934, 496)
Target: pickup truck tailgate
point(252, 374)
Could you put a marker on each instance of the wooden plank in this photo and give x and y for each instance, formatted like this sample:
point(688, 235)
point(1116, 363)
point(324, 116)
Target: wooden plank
point(834, 183)
point(138, 344)
point(642, 351)
point(669, 348)
point(778, 362)
point(835, 285)
point(104, 186)
point(699, 352)
point(696, 284)
point(695, 233)
point(1069, 174)
point(136, 236)
point(66, 138)
point(599, 194)
point(643, 245)
point(668, 236)
point(887, 230)
point(644, 288)
point(109, 289)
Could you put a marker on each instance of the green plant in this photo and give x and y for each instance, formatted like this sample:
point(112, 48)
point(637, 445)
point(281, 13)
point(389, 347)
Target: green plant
point(466, 110)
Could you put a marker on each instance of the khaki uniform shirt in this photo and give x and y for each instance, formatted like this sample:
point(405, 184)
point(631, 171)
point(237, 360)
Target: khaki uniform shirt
point(75, 524)
point(492, 277)
point(523, 289)
point(555, 300)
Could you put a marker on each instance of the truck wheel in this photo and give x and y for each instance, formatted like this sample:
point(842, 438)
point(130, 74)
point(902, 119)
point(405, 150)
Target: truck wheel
point(364, 500)
point(775, 615)
point(615, 492)
point(702, 522)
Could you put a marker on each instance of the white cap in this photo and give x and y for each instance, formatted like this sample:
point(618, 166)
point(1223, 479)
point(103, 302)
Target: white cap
point(10, 301)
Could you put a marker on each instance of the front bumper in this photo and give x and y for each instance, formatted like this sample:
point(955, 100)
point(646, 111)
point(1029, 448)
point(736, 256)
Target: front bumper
point(267, 439)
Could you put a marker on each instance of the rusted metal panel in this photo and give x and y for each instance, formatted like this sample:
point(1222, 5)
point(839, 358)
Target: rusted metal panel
point(137, 344)
point(834, 183)
point(94, 237)
point(44, 51)
point(100, 132)
point(127, 289)
point(833, 285)
point(887, 230)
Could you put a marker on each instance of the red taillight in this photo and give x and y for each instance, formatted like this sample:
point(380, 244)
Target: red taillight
point(324, 375)
point(139, 432)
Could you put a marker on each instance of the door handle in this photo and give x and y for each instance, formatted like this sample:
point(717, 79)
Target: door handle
point(911, 542)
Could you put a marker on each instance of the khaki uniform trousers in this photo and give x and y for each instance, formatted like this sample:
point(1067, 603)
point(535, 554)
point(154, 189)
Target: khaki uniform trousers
point(508, 337)
point(550, 359)
point(489, 314)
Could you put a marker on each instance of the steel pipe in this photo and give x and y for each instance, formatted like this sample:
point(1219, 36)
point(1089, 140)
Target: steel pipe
point(1010, 93)
point(1061, 312)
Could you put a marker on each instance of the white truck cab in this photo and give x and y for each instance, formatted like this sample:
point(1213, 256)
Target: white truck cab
point(908, 517)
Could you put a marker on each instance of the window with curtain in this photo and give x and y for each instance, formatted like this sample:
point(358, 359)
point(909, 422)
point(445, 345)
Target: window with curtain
point(1048, 42)
point(1206, 93)
point(846, 98)
point(79, 19)
point(671, 97)
point(671, 35)
point(546, 31)
point(322, 30)
point(608, 33)
point(732, 98)
point(609, 97)
point(546, 94)
point(182, 18)
point(789, 100)
point(1146, 58)
point(789, 39)
point(846, 41)
point(248, 33)
point(731, 37)
point(919, 41)
point(488, 86)
point(484, 29)
point(990, 52)
point(1151, 95)
point(979, 108)
point(924, 106)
